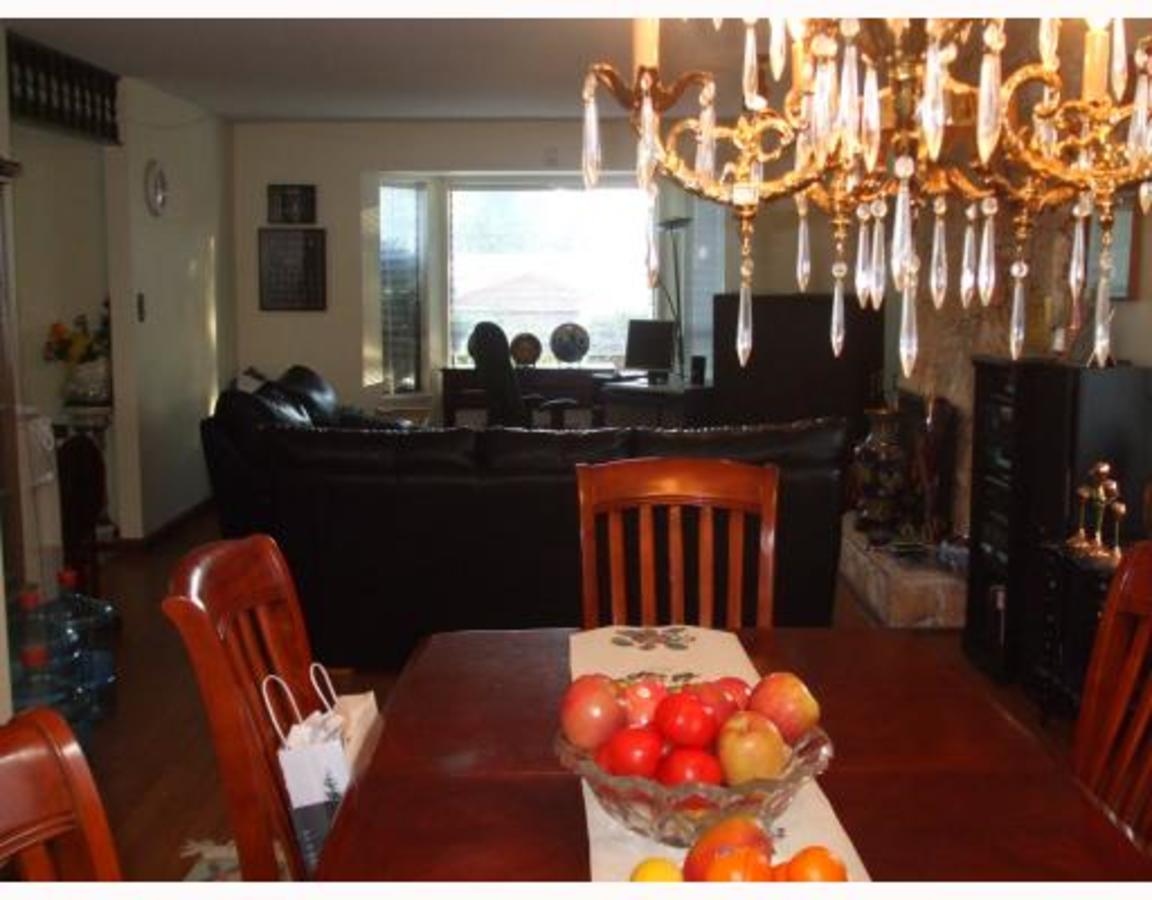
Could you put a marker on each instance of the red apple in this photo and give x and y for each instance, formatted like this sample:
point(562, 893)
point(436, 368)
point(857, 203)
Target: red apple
point(737, 689)
point(714, 698)
point(725, 835)
point(591, 712)
point(641, 699)
point(786, 700)
point(750, 746)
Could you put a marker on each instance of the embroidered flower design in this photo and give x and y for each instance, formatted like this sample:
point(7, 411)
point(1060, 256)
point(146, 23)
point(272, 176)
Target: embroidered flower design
point(671, 637)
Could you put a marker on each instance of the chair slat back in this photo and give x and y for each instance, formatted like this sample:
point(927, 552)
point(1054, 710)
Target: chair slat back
point(661, 501)
point(1112, 754)
point(52, 822)
point(235, 606)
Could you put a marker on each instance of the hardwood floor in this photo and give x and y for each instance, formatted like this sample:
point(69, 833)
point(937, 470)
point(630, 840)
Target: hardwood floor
point(153, 759)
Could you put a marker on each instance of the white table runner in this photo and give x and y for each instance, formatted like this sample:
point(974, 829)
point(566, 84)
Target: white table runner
point(618, 651)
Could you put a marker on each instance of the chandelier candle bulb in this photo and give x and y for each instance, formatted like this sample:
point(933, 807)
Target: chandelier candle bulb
point(1048, 39)
point(645, 44)
point(777, 45)
point(986, 268)
point(968, 260)
point(1094, 75)
point(938, 273)
point(1119, 60)
point(863, 257)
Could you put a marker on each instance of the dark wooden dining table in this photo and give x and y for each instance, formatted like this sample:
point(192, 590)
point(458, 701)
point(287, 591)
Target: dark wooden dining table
point(933, 777)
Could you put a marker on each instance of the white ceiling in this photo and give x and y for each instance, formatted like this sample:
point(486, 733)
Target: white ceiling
point(363, 69)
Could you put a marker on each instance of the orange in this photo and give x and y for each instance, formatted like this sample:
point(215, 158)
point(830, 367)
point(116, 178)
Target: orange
point(735, 831)
point(657, 869)
point(815, 863)
point(740, 864)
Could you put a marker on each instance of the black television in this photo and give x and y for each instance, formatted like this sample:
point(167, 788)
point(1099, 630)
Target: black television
point(650, 347)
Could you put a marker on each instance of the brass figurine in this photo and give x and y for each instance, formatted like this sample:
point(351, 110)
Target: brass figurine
point(1101, 492)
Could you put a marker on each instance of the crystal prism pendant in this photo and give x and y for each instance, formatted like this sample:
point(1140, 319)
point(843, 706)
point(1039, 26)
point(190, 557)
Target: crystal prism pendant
point(652, 243)
point(870, 119)
point(909, 337)
point(590, 155)
point(1146, 197)
point(1102, 333)
point(879, 267)
point(1016, 324)
point(938, 271)
point(647, 147)
point(1119, 60)
point(750, 79)
point(777, 45)
point(986, 268)
point(822, 110)
point(988, 110)
point(836, 330)
point(803, 245)
point(902, 249)
point(1048, 38)
point(1078, 262)
point(1138, 122)
point(968, 261)
point(848, 125)
point(863, 257)
point(932, 109)
point(705, 163)
point(744, 314)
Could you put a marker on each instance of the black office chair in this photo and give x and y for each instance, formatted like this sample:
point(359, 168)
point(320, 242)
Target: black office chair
point(488, 347)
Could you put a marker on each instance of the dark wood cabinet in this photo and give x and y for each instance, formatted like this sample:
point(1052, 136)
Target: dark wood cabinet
point(1038, 426)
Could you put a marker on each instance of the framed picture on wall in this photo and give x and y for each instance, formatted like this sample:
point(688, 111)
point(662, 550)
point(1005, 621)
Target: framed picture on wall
point(293, 269)
point(292, 204)
point(1125, 255)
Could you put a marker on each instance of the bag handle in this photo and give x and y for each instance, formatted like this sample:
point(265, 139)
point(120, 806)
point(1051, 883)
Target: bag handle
point(276, 679)
point(329, 705)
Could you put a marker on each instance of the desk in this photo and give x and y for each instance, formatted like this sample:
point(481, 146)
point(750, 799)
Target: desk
point(672, 405)
point(937, 782)
point(461, 387)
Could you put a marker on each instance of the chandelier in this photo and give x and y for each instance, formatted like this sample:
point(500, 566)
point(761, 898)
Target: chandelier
point(876, 130)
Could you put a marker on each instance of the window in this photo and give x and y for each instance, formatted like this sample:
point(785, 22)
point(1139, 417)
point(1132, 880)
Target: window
point(402, 267)
point(532, 258)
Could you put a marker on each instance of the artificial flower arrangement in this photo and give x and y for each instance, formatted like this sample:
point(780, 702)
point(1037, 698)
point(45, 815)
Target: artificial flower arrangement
point(79, 344)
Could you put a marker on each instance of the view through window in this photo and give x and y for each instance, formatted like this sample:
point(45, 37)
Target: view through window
point(402, 264)
point(530, 259)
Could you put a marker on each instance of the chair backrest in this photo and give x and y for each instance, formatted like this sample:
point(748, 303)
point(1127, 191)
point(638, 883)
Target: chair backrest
point(488, 346)
point(655, 502)
point(235, 606)
point(1112, 755)
point(52, 823)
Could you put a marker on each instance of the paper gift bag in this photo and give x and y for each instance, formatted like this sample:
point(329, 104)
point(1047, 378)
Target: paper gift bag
point(357, 712)
point(315, 767)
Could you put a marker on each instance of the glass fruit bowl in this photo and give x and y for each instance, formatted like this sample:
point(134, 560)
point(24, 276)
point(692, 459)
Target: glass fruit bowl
point(677, 815)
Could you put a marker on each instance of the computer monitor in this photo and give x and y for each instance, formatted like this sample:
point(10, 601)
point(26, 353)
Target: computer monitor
point(650, 346)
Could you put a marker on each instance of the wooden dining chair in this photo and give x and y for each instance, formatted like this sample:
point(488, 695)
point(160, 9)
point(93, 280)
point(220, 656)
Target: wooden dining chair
point(235, 605)
point(654, 507)
point(1112, 753)
point(52, 823)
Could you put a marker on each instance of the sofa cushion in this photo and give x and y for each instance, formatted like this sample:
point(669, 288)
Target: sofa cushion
point(517, 450)
point(313, 392)
point(333, 449)
point(816, 442)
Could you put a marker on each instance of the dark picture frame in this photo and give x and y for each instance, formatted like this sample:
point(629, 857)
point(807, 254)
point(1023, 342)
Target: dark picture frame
point(292, 204)
point(293, 269)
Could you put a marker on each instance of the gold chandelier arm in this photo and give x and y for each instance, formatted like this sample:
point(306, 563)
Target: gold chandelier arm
point(611, 80)
point(664, 98)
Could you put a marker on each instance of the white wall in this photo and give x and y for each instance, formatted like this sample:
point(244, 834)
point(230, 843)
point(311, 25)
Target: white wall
point(166, 367)
point(334, 157)
point(60, 250)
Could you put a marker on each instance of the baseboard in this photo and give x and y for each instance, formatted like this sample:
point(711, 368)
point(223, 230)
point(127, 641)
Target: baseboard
point(119, 545)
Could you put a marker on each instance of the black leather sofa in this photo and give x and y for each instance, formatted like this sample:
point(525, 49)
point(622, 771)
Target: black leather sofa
point(392, 535)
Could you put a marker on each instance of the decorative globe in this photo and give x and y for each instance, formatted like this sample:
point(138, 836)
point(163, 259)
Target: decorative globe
point(569, 342)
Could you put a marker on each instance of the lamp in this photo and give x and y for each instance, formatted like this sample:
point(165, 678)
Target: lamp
point(876, 127)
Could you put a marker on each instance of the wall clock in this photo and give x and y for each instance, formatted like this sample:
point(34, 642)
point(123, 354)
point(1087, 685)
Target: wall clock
point(155, 188)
